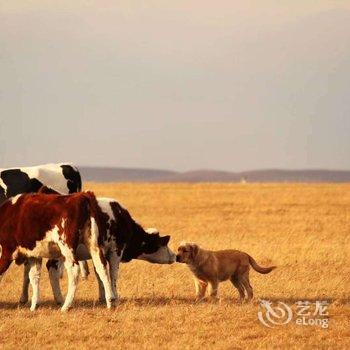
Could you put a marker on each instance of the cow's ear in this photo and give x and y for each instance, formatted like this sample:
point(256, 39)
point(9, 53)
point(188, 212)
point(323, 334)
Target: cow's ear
point(164, 240)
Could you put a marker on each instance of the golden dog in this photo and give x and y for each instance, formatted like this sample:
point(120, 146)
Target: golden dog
point(213, 267)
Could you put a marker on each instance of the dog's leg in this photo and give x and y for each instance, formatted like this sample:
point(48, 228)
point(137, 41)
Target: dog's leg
point(235, 281)
point(201, 287)
point(213, 289)
point(245, 281)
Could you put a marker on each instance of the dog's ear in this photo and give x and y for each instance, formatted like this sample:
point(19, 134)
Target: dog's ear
point(194, 250)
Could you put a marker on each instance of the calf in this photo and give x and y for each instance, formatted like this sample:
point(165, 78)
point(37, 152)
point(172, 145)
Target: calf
point(63, 178)
point(77, 227)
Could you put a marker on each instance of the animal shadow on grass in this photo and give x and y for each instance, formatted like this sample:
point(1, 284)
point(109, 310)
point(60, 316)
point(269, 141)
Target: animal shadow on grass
point(84, 304)
point(51, 305)
point(80, 304)
point(293, 300)
point(14, 305)
point(158, 301)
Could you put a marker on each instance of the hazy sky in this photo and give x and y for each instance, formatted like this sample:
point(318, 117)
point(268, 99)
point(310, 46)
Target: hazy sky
point(232, 85)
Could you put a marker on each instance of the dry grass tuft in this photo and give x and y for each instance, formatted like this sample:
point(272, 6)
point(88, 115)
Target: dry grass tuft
point(304, 229)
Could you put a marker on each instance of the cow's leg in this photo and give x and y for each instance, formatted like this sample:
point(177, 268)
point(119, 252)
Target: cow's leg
point(114, 260)
point(61, 269)
point(54, 267)
point(25, 285)
point(34, 277)
point(84, 269)
point(73, 276)
point(101, 289)
point(100, 266)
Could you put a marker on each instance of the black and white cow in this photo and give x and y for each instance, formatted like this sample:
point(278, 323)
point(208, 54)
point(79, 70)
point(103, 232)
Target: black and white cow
point(63, 178)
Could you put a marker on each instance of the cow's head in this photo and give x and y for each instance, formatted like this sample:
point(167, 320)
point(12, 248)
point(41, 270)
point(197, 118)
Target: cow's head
point(155, 248)
point(139, 243)
point(150, 246)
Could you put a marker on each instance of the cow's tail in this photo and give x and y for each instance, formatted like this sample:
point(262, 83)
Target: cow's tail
point(72, 174)
point(258, 268)
point(75, 177)
point(93, 205)
point(78, 180)
point(97, 226)
point(94, 219)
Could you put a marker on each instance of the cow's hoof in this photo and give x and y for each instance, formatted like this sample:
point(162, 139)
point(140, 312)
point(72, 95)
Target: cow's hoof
point(59, 301)
point(23, 301)
point(109, 303)
point(115, 302)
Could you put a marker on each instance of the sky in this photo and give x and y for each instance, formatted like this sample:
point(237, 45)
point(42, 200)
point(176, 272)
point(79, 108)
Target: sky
point(180, 85)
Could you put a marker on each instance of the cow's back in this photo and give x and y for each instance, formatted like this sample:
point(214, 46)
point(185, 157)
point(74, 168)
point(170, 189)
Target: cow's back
point(28, 218)
point(63, 178)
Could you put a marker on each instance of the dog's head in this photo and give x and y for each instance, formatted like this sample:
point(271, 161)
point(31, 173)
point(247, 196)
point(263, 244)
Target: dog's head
point(187, 252)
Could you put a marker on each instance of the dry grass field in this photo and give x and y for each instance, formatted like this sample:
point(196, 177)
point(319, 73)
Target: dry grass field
point(303, 229)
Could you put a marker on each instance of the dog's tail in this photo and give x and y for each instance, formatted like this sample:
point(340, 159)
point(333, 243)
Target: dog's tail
point(258, 268)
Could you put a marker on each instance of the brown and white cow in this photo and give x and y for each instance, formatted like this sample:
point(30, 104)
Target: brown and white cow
point(77, 227)
point(62, 178)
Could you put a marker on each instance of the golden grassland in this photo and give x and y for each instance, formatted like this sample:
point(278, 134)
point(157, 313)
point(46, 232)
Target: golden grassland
point(304, 229)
